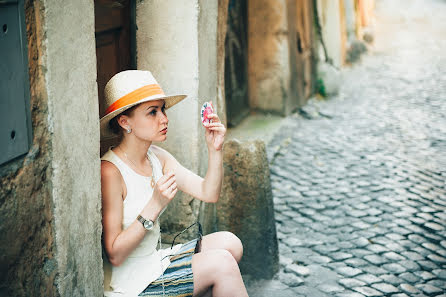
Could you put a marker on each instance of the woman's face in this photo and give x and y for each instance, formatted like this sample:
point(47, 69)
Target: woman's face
point(149, 121)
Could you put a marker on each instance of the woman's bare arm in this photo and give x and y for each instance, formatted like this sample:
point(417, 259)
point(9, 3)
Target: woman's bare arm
point(120, 243)
point(206, 189)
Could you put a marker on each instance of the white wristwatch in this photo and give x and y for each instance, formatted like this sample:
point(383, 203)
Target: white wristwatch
point(148, 224)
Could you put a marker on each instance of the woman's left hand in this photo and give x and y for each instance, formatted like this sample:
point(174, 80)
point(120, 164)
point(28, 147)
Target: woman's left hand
point(215, 132)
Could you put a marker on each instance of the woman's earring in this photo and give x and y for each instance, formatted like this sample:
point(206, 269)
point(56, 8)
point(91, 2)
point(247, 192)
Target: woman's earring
point(129, 130)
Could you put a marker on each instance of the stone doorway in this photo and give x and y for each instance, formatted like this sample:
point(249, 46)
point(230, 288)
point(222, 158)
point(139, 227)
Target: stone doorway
point(236, 62)
point(115, 45)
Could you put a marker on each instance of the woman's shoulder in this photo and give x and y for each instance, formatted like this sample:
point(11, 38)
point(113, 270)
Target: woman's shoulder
point(112, 179)
point(109, 170)
point(162, 154)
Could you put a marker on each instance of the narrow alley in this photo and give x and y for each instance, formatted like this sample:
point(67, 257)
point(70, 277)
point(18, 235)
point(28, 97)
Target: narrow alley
point(359, 183)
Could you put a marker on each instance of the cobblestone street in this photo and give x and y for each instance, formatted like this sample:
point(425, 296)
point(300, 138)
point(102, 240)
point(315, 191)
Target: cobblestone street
point(359, 179)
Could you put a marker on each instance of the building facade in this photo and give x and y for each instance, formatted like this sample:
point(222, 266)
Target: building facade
point(246, 56)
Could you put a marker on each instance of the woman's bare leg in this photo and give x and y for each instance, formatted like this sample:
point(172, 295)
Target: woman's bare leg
point(223, 240)
point(217, 270)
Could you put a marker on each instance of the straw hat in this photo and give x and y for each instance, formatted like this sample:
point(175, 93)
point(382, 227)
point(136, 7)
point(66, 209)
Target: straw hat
point(129, 88)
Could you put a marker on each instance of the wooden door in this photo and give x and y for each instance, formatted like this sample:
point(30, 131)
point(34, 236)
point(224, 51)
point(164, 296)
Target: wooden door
point(304, 39)
point(236, 62)
point(114, 45)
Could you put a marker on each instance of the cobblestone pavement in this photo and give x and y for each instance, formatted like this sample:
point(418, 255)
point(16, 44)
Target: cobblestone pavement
point(359, 183)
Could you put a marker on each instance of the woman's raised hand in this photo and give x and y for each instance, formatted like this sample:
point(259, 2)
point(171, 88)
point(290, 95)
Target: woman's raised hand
point(165, 189)
point(215, 132)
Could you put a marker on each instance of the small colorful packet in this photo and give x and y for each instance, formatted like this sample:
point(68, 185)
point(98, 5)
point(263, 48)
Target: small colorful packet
point(206, 110)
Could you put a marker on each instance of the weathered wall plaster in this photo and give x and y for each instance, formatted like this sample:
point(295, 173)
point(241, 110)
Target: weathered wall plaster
point(330, 21)
point(177, 41)
point(350, 18)
point(212, 12)
point(268, 55)
point(27, 262)
point(70, 81)
point(50, 198)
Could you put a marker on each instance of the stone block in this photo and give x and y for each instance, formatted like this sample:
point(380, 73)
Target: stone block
point(246, 206)
point(298, 270)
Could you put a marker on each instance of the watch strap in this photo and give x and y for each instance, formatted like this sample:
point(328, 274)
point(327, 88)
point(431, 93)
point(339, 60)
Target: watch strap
point(141, 219)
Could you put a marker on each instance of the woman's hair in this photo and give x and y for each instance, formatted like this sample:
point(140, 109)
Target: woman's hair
point(114, 126)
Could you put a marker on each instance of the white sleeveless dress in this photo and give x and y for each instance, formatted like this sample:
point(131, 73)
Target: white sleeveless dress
point(145, 263)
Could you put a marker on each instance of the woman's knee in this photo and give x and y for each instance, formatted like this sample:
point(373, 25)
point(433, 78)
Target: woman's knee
point(233, 245)
point(224, 263)
point(213, 265)
point(224, 240)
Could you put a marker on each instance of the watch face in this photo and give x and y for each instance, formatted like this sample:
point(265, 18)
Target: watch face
point(148, 225)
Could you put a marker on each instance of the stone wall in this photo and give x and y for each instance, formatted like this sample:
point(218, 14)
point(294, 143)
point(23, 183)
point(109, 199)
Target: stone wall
point(73, 110)
point(295, 72)
point(268, 56)
point(188, 30)
point(329, 14)
point(27, 260)
point(177, 71)
point(220, 71)
point(50, 198)
point(350, 18)
point(211, 55)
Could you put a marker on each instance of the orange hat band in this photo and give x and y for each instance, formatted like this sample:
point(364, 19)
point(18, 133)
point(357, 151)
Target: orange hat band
point(135, 96)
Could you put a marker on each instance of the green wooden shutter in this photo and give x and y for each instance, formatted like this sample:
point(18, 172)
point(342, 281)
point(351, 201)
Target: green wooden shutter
point(15, 126)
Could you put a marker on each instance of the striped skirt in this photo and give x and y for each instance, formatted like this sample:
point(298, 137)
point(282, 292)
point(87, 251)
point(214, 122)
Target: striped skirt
point(177, 278)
